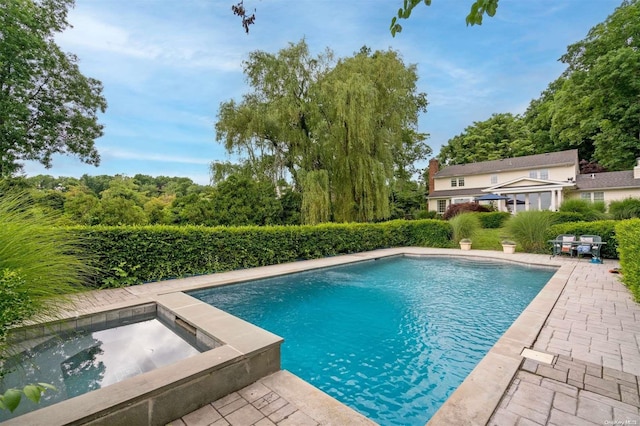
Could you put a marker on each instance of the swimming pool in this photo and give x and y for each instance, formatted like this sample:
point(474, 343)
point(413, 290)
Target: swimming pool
point(391, 338)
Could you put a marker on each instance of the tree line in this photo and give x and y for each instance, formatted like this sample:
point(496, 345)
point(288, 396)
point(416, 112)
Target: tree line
point(236, 200)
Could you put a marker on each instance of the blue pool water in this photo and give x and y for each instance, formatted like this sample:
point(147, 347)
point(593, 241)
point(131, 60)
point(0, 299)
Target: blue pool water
point(391, 338)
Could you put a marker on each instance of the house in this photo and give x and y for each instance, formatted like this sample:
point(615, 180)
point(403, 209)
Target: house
point(533, 182)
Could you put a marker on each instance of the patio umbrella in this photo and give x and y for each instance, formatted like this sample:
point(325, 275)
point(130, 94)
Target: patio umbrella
point(518, 201)
point(491, 197)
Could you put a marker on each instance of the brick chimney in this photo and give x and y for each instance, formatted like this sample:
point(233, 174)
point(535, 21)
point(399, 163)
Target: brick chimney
point(434, 167)
point(636, 170)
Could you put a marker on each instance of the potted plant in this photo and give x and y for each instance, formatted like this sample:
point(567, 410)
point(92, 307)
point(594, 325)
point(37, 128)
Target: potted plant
point(465, 244)
point(508, 246)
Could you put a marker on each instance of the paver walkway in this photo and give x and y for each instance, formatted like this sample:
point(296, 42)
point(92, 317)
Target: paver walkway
point(594, 333)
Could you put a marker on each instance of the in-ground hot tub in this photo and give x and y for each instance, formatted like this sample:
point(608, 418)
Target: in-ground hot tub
point(148, 364)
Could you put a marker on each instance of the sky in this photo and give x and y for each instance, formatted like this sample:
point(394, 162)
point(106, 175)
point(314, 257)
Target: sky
point(167, 65)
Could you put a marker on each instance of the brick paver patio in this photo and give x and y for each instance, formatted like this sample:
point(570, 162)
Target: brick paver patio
point(593, 332)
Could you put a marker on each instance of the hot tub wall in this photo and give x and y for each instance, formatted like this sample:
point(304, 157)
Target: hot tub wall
point(244, 354)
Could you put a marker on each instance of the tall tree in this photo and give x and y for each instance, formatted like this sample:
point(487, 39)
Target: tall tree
point(338, 132)
point(501, 136)
point(595, 105)
point(46, 105)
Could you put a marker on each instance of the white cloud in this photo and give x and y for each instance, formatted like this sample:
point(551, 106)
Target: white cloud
point(168, 158)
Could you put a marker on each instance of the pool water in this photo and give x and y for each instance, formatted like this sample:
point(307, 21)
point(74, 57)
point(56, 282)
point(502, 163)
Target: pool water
point(83, 361)
point(391, 338)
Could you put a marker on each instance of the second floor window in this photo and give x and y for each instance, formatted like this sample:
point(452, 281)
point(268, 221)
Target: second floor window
point(544, 174)
point(533, 174)
point(494, 179)
point(454, 182)
point(461, 181)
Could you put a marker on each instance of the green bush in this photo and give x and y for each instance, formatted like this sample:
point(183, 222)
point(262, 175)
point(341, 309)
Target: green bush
point(492, 220)
point(15, 303)
point(587, 210)
point(464, 225)
point(529, 229)
point(628, 236)
point(427, 214)
point(628, 208)
point(47, 258)
point(563, 217)
point(136, 254)
point(603, 228)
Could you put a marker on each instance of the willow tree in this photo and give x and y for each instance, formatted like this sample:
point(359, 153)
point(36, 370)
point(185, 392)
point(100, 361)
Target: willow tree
point(373, 104)
point(339, 130)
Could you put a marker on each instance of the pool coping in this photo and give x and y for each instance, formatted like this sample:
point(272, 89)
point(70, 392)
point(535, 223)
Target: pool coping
point(475, 400)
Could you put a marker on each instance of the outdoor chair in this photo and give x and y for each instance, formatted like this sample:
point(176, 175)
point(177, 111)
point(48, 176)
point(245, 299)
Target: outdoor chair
point(587, 248)
point(562, 244)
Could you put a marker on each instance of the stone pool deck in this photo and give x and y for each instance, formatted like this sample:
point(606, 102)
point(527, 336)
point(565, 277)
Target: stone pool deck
point(586, 319)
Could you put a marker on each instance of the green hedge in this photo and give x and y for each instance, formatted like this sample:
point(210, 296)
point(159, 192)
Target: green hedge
point(128, 255)
point(628, 235)
point(564, 217)
point(492, 220)
point(604, 228)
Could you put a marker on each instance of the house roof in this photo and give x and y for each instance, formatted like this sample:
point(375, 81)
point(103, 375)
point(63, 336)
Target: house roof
point(466, 192)
point(539, 160)
point(607, 180)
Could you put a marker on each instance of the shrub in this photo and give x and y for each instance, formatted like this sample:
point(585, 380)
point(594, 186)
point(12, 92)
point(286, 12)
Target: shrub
point(529, 229)
point(426, 214)
point(603, 228)
point(492, 220)
point(464, 225)
point(628, 208)
point(628, 236)
point(587, 210)
point(563, 217)
point(15, 302)
point(456, 209)
point(47, 258)
point(130, 254)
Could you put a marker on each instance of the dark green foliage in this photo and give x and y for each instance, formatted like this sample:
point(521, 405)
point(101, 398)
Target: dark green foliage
point(427, 214)
point(501, 136)
point(587, 210)
point(129, 254)
point(47, 106)
point(456, 209)
point(604, 228)
point(492, 220)
point(529, 230)
point(464, 226)
point(626, 209)
point(15, 302)
point(628, 236)
point(478, 9)
point(563, 217)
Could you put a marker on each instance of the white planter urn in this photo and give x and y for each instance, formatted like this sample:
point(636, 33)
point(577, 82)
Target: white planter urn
point(465, 244)
point(509, 248)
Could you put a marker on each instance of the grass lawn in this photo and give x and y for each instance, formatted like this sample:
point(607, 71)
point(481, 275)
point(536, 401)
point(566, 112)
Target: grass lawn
point(489, 239)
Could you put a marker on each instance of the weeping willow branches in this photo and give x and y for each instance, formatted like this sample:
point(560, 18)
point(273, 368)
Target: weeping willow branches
point(339, 129)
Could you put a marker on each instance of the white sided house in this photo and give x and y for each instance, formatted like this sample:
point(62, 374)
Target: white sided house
point(534, 182)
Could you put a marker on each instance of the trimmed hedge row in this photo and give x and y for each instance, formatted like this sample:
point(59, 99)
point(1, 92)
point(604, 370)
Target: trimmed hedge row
point(126, 255)
point(628, 235)
point(604, 228)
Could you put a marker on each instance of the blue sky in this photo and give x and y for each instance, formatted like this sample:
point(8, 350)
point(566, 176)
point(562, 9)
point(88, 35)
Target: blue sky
point(166, 65)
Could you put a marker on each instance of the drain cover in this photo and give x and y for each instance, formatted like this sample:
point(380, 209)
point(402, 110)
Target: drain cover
point(537, 356)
